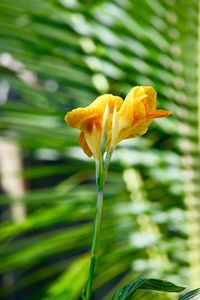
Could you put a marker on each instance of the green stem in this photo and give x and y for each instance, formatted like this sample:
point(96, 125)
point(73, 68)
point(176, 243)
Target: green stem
point(97, 228)
point(101, 173)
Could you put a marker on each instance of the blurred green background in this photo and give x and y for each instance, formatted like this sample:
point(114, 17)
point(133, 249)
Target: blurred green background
point(56, 55)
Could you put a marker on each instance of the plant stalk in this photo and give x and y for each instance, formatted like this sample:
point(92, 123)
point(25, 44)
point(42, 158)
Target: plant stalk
point(97, 228)
point(101, 174)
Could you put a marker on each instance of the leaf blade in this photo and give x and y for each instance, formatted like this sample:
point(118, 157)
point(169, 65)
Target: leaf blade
point(149, 284)
point(194, 294)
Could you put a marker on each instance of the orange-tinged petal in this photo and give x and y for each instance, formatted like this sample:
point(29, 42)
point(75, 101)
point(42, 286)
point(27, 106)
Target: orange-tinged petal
point(142, 126)
point(139, 100)
point(137, 112)
point(90, 121)
point(93, 140)
point(101, 102)
point(158, 113)
point(109, 120)
point(131, 132)
point(84, 145)
point(150, 100)
point(140, 129)
point(77, 117)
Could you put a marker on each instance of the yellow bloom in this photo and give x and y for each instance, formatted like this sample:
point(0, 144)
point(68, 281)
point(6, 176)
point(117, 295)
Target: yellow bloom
point(109, 120)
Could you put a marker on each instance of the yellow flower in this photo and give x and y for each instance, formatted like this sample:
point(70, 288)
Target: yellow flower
point(109, 120)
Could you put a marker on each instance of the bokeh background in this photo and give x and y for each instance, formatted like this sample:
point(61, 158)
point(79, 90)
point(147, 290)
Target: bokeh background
point(56, 55)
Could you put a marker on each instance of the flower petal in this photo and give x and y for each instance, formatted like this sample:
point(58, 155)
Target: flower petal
point(84, 145)
point(90, 121)
point(93, 140)
point(139, 100)
point(101, 102)
point(109, 119)
point(77, 117)
point(137, 112)
point(158, 113)
point(150, 100)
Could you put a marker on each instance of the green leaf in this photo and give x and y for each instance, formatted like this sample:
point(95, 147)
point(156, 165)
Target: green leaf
point(147, 284)
point(75, 277)
point(195, 295)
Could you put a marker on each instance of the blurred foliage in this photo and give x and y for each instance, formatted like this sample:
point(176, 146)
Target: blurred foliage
point(56, 55)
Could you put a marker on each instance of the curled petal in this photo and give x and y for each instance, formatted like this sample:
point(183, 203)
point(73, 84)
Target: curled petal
point(93, 140)
point(150, 100)
point(137, 103)
point(84, 145)
point(109, 120)
point(91, 120)
point(77, 117)
point(137, 112)
point(82, 117)
point(112, 101)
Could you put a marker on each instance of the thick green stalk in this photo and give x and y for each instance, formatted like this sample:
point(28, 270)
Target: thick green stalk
point(101, 174)
point(97, 228)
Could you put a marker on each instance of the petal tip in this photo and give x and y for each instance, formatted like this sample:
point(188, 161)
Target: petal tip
point(158, 113)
